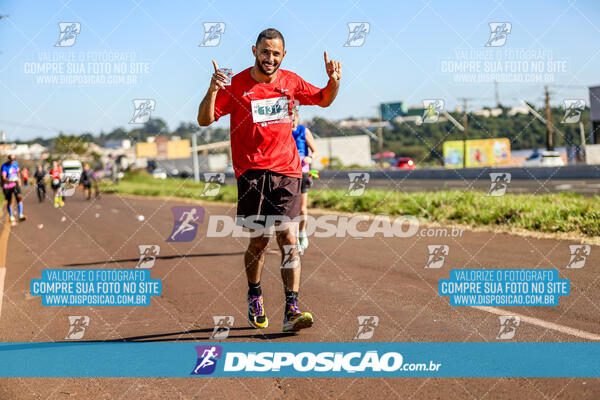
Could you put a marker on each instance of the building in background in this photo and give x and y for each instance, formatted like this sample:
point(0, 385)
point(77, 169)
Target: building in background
point(346, 150)
point(595, 114)
point(33, 151)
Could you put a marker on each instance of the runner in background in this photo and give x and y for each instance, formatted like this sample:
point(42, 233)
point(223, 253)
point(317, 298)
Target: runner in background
point(56, 174)
point(25, 176)
point(304, 141)
point(11, 185)
point(39, 176)
point(87, 178)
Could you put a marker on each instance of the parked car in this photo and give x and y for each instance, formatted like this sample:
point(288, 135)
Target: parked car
point(186, 173)
point(405, 163)
point(173, 173)
point(159, 173)
point(544, 159)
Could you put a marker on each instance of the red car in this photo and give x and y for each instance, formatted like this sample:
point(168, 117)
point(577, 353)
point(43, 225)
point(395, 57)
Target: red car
point(405, 163)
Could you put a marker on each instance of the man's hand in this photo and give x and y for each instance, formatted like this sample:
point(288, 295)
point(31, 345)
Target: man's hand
point(206, 111)
point(334, 71)
point(218, 79)
point(333, 68)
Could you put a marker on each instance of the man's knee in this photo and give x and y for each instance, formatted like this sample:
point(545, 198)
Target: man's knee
point(258, 244)
point(286, 237)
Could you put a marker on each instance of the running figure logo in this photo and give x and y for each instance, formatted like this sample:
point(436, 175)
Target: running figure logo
point(579, 254)
point(68, 33)
point(223, 323)
point(212, 34)
point(142, 109)
point(573, 110)
point(437, 255)
point(508, 326)
point(207, 359)
point(77, 327)
point(212, 183)
point(357, 33)
point(148, 254)
point(67, 188)
point(366, 326)
point(500, 181)
point(433, 109)
point(290, 256)
point(186, 219)
point(499, 32)
point(358, 183)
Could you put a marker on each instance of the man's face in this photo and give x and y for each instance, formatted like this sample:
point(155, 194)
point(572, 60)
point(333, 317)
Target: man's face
point(12, 158)
point(269, 55)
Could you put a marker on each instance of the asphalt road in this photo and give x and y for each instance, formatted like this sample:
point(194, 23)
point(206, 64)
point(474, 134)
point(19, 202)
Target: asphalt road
point(343, 278)
point(586, 187)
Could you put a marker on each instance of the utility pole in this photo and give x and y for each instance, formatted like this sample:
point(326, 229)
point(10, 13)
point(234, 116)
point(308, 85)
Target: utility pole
point(195, 157)
point(380, 137)
point(464, 123)
point(549, 136)
point(496, 94)
point(581, 153)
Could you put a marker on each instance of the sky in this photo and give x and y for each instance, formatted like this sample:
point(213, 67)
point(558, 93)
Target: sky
point(413, 50)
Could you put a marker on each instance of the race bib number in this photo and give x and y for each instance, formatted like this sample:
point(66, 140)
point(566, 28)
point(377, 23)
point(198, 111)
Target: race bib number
point(269, 109)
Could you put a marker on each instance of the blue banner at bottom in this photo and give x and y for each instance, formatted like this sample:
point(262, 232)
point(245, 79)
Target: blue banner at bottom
point(238, 359)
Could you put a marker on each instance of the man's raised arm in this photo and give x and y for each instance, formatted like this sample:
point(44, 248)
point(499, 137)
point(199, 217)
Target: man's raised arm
point(206, 111)
point(334, 71)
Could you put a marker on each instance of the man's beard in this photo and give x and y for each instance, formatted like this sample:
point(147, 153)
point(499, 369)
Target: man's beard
point(262, 70)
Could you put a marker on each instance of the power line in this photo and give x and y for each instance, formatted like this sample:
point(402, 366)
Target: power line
point(32, 126)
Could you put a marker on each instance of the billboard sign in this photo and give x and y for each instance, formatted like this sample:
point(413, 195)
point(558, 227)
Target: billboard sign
point(480, 153)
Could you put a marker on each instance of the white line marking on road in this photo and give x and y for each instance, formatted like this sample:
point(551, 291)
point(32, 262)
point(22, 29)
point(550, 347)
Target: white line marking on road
point(544, 324)
point(3, 252)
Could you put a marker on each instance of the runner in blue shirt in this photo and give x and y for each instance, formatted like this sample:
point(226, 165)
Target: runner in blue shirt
point(11, 185)
point(304, 141)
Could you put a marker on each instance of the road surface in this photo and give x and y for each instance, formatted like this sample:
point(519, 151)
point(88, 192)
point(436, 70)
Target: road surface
point(343, 278)
point(586, 187)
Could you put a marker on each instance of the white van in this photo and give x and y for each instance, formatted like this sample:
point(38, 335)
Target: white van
point(72, 169)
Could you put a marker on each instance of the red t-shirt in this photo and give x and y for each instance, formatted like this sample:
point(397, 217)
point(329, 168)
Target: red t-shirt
point(261, 128)
point(55, 173)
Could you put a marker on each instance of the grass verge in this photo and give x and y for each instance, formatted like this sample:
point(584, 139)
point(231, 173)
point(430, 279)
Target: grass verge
point(548, 213)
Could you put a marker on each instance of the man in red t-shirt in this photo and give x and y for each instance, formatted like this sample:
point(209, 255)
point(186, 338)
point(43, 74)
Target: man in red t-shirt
point(266, 161)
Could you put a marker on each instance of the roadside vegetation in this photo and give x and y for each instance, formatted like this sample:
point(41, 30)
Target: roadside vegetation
point(548, 213)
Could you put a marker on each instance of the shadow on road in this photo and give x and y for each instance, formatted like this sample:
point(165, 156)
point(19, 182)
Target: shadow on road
point(163, 337)
point(237, 253)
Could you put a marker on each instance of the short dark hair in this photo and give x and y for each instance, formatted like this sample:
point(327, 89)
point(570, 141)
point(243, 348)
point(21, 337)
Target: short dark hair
point(270, 33)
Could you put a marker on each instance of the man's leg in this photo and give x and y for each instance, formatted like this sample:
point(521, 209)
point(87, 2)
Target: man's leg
point(20, 206)
point(8, 197)
point(290, 271)
point(19, 199)
point(254, 260)
point(293, 319)
point(303, 238)
point(55, 191)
